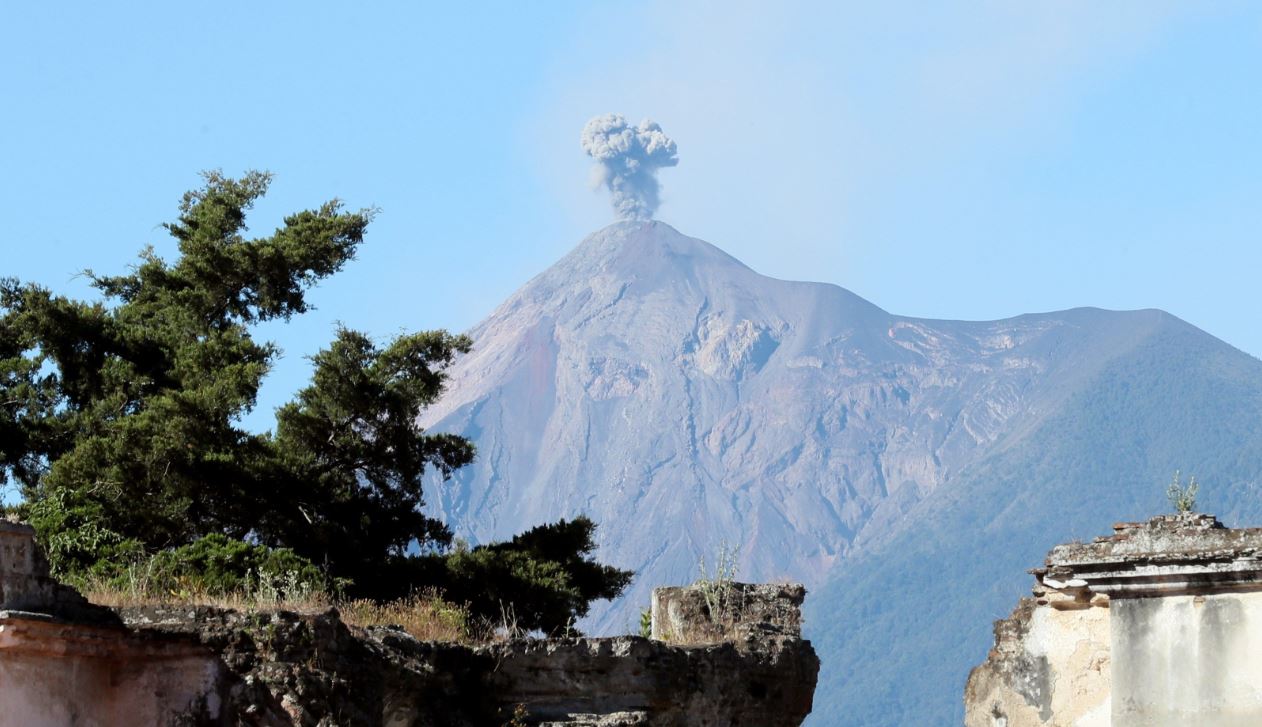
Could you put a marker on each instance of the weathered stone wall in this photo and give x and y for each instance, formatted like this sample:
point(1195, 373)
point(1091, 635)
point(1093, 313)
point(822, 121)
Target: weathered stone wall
point(1049, 666)
point(26, 586)
point(632, 680)
point(727, 611)
point(53, 673)
point(284, 668)
point(205, 666)
point(1184, 660)
point(1156, 625)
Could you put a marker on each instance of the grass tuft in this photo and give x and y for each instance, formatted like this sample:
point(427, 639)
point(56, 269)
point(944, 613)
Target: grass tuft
point(425, 614)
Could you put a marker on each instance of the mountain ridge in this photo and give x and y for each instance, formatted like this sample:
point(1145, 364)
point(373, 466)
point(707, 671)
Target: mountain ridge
point(681, 399)
point(732, 336)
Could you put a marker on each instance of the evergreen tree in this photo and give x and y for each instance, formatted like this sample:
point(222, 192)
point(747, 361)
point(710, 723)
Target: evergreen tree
point(119, 418)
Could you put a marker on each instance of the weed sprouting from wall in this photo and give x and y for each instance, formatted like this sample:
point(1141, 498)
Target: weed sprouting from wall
point(646, 623)
point(1182, 497)
point(716, 588)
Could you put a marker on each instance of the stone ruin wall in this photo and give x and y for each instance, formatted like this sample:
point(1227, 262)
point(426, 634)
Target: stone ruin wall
point(1050, 665)
point(64, 661)
point(1159, 625)
point(57, 674)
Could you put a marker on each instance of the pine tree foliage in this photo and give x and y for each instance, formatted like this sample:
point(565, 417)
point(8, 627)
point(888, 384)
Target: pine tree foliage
point(120, 417)
point(544, 573)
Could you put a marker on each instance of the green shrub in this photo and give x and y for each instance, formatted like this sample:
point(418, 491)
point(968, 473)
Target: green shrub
point(544, 577)
point(216, 565)
point(77, 544)
point(1182, 498)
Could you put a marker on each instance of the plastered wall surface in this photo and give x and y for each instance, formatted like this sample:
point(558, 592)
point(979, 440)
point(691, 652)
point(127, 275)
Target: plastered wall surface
point(52, 675)
point(1077, 642)
point(1054, 669)
point(1156, 625)
point(1184, 660)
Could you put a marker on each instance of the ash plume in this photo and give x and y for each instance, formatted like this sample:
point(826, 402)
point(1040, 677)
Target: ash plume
point(627, 159)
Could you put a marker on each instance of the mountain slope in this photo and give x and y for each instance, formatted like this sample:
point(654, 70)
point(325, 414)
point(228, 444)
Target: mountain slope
point(658, 385)
point(900, 627)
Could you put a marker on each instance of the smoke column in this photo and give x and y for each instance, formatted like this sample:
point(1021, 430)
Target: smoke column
point(627, 159)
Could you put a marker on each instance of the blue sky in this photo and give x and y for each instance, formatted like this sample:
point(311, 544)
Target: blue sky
point(972, 161)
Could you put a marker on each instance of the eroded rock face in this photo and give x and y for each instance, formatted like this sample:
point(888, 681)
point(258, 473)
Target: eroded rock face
point(290, 669)
point(737, 612)
point(633, 680)
point(208, 666)
point(747, 665)
point(284, 668)
point(1155, 625)
point(202, 666)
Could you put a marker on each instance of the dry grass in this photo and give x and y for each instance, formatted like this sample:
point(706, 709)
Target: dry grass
point(425, 615)
point(109, 595)
point(138, 587)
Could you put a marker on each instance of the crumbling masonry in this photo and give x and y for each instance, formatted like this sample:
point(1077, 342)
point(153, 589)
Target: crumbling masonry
point(64, 661)
point(1159, 624)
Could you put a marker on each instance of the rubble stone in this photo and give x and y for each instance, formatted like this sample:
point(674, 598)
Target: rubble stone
point(63, 662)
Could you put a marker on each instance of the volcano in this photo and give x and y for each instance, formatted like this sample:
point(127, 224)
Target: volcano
point(907, 470)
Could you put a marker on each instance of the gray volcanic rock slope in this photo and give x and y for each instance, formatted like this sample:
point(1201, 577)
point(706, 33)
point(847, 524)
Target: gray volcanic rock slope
point(907, 470)
point(680, 399)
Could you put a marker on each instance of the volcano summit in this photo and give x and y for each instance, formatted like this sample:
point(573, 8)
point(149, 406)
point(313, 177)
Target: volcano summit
point(903, 468)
